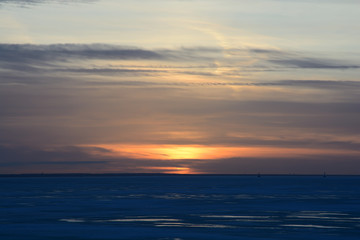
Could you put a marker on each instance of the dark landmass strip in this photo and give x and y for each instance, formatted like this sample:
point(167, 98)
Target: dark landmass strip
point(154, 174)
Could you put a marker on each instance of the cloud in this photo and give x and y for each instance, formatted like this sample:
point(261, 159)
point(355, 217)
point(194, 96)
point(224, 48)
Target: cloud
point(26, 156)
point(300, 60)
point(74, 159)
point(137, 111)
point(27, 53)
point(47, 61)
point(265, 51)
point(43, 61)
point(61, 94)
point(29, 3)
point(332, 164)
point(321, 84)
point(286, 141)
point(330, 84)
point(312, 63)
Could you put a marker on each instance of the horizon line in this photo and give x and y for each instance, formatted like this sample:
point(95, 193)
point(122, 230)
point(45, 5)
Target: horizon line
point(162, 174)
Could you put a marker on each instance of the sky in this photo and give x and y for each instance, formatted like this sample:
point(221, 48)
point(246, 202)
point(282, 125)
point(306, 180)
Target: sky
point(180, 86)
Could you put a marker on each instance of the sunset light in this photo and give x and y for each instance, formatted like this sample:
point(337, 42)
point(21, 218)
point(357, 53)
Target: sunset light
point(179, 86)
point(180, 119)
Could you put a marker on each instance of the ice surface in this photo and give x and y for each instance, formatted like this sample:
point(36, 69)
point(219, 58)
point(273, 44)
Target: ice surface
point(180, 207)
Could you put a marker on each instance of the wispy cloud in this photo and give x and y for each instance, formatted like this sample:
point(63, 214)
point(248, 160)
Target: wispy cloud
point(29, 3)
point(295, 59)
point(312, 63)
point(26, 53)
point(63, 52)
point(334, 84)
point(223, 66)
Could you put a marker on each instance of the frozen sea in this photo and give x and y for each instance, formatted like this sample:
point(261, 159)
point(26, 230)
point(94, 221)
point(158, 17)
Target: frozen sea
point(180, 207)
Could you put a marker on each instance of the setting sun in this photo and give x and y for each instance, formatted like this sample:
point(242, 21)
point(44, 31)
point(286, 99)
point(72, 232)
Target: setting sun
point(181, 152)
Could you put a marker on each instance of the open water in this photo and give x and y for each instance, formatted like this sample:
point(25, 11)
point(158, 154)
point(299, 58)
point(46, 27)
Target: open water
point(180, 207)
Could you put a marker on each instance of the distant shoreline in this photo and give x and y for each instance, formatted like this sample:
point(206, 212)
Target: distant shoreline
point(164, 174)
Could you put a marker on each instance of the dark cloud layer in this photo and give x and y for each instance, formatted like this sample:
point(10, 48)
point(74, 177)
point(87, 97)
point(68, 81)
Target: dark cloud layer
point(90, 160)
point(28, 57)
point(312, 63)
point(92, 94)
point(299, 165)
point(26, 53)
point(315, 83)
point(301, 60)
point(39, 160)
point(284, 83)
point(120, 114)
point(72, 159)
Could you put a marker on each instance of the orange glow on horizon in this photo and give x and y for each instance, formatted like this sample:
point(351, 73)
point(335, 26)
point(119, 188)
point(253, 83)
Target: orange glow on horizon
point(176, 152)
point(187, 158)
point(172, 170)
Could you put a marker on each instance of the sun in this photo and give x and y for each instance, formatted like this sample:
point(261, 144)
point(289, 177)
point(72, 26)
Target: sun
point(161, 152)
point(176, 152)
